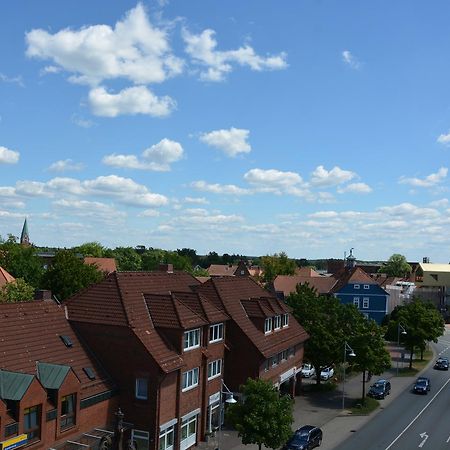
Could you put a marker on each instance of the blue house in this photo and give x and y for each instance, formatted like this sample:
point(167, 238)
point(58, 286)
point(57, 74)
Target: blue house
point(354, 286)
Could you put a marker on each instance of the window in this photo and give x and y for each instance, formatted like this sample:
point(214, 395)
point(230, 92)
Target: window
point(277, 322)
point(366, 286)
point(190, 379)
point(140, 439)
point(356, 286)
point(356, 301)
point(68, 409)
point(291, 352)
point(141, 388)
point(284, 355)
point(67, 341)
point(214, 369)
point(192, 339)
point(166, 438)
point(268, 325)
point(89, 372)
point(274, 361)
point(266, 365)
point(434, 276)
point(285, 320)
point(365, 302)
point(32, 423)
point(188, 432)
point(216, 332)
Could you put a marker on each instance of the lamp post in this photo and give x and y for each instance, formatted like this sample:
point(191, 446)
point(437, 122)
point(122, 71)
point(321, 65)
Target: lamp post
point(230, 400)
point(347, 348)
point(399, 327)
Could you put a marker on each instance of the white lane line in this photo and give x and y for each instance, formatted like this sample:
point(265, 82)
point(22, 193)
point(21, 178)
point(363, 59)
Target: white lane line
point(418, 415)
point(448, 439)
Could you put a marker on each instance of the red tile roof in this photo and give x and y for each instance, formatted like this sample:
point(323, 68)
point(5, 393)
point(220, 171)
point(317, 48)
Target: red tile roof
point(5, 277)
point(353, 275)
point(306, 272)
point(232, 293)
point(31, 332)
point(119, 301)
point(288, 283)
point(221, 270)
point(107, 265)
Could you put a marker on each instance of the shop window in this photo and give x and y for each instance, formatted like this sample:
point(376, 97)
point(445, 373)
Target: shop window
point(167, 438)
point(188, 432)
point(68, 411)
point(32, 423)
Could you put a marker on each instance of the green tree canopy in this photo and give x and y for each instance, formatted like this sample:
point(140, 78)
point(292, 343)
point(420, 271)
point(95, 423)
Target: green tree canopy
point(263, 417)
point(277, 264)
point(152, 258)
point(68, 274)
point(94, 249)
point(127, 259)
point(396, 266)
point(16, 291)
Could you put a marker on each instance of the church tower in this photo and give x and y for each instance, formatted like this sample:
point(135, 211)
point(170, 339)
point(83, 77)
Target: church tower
point(24, 237)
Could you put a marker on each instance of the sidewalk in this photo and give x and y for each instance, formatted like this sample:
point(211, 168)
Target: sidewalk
point(325, 409)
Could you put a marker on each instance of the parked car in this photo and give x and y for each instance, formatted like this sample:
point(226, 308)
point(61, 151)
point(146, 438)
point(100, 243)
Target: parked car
point(305, 438)
point(422, 385)
point(380, 389)
point(326, 373)
point(308, 370)
point(441, 363)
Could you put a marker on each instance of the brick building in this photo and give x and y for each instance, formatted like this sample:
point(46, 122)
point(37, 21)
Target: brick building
point(52, 389)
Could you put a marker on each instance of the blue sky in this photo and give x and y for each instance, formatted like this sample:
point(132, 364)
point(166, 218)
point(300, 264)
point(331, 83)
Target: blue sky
point(247, 127)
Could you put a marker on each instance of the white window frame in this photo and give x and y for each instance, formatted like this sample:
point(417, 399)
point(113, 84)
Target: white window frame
point(216, 332)
point(356, 286)
point(277, 322)
point(274, 361)
point(291, 352)
point(141, 382)
point(284, 355)
point(214, 369)
point(268, 329)
point(191, 439)
point(366, 286)
point(141, 434)
point(191, 339)
point(285, 320)
point(356, 301)
point(365, 302)
point(164, 434)
point(189, 379)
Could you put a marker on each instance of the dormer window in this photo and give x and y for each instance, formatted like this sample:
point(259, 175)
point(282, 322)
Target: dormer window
point(277, 322)
point(68, 408)
point(356, 286)
point(268, 325)
point(216, 332)
point(285, 320)
point(191, 339)
point(366, 286)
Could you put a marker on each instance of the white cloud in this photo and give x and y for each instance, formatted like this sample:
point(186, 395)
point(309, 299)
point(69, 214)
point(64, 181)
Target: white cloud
point(197, 200)
point(16, 80)
point(226, 189)
point(444, 139)
point(429, 181)
point(408, 209)
point(349, 59)
point(442, 203)
point(149, 213)
point(81, 122)
point(8, 156)
point(132, 101)
point(158, 157)
point(232, 142)
point(134, 49)
point(202, 49)
point(272, 178)
point(65, 165)
point(333, 177)
point(87, 208)
point(357, 188)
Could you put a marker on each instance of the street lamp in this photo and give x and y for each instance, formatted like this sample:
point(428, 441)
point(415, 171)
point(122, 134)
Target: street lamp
point(399, 327)
point(347, 348)
point(230, 400)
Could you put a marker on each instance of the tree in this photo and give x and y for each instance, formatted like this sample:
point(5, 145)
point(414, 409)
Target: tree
point(396, 266)
point(277, 264)
point(321, 317)
point(422, 322)
point(94, 249)
point(21, 262)
point(127, 259)
point(68, 274)
point(16, 291)
point(262, 417)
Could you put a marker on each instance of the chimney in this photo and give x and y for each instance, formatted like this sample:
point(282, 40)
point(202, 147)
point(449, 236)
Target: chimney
point(426, 260)
point(166, 268)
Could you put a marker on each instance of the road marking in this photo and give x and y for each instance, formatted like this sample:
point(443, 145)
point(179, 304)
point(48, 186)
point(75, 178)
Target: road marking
point(448, 439)
point(424, 436)
point(418, 415)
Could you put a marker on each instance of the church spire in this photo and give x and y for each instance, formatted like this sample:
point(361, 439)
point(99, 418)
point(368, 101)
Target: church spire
point(24, 237)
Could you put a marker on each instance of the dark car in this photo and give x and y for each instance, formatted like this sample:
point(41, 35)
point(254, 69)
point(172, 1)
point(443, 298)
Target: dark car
point(441, 364)
point(380, 389)
point(422, 385)
point(305, 438)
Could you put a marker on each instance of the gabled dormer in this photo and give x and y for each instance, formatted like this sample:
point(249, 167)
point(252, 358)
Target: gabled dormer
point(267, 314)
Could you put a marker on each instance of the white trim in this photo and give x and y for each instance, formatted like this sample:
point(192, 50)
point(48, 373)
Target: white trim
point(188, 387)
point(168, 424)
point(187, 333)
point(191, 414)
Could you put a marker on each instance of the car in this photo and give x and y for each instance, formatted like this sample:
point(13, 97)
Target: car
point(422, 385)
point(326, 373)
point(441, 363)
point(380, 389)
point(305, 438)
point(308, 370)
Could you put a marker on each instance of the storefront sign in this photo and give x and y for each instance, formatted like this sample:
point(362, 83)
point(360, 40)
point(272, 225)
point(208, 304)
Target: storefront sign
point(15, 442)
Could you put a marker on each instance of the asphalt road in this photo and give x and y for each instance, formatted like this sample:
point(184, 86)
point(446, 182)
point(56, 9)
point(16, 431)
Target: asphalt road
point(411, 421)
